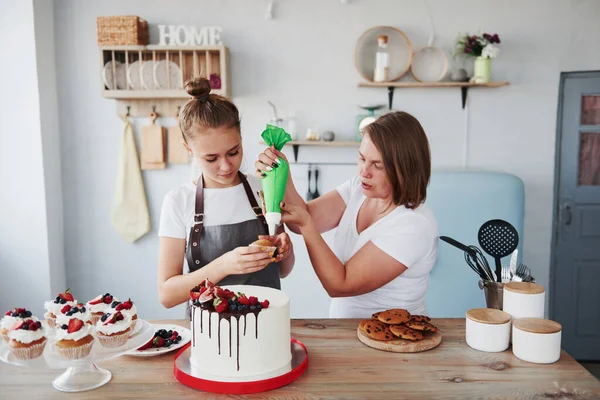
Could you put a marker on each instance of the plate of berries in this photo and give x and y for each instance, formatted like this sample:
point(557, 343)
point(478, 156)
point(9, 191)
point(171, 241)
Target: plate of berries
point(167, 337)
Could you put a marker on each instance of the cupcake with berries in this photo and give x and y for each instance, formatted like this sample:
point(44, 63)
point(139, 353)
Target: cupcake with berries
point(11, 318)
point(27, 339)
point(74, 338)
point(113, 329)
point(78, 311)
point(53, 307)
point(100, 305)
point(127, 308)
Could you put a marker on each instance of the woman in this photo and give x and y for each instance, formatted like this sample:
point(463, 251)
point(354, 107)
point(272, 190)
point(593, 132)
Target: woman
point(386, 240)
point(211, 222)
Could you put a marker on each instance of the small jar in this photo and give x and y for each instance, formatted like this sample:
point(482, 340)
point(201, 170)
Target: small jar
point(524, 300)
point(536, 340)
point(487, 329)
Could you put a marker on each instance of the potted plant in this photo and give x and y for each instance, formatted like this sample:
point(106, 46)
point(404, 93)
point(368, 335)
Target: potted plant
point(483, 48)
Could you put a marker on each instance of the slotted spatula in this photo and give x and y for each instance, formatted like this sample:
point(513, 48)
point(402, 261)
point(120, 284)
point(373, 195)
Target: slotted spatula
point(498, 238)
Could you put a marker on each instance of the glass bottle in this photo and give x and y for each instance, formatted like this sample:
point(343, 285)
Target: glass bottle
point(382, 60)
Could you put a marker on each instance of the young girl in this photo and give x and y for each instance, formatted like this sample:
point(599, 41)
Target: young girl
point(209, 223)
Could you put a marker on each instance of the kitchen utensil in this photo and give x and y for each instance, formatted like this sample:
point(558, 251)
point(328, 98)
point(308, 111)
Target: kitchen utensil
point(153, 145)
point(309, 192)
point(316, 193)
point(494, 293)
point(474, 258)
point(186, 337)
point(505, 275)
point(429, 64)
point(513, 263)
point(523, 274)
point(399, 48)
point(498, 238)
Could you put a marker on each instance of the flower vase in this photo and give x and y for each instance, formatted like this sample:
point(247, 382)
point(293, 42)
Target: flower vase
point(482, 72)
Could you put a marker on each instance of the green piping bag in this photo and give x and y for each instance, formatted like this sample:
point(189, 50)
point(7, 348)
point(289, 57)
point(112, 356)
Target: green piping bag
point(275, 181)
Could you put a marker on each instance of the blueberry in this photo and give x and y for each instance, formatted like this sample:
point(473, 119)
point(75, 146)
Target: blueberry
point(28, 314)
point(64, 326)
point(25, 327)
point(233, 307)
point(107, 295)
point(63, 301)
point(168, 342)
point(178, 338)
point(103, 318)
point(23, 315)
point(253, 308)
point(82, 310)
point(170, 333)
point(258, 306)
point(114, 304)
point(74, 309)
point(57, 298)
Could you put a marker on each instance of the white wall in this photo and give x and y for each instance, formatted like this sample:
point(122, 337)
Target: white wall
point(303, 61)
point(31, 246)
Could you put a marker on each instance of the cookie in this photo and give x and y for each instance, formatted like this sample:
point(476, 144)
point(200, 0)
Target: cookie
point(422, 326)
point(406, 333)
point(374, 316)
point(376, 330)
point(419, 318)
point(394, 317)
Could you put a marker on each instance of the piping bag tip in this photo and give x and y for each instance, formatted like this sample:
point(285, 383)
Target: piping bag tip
point(273, 221)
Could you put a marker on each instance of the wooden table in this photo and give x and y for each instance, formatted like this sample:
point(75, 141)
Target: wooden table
point(342, 367)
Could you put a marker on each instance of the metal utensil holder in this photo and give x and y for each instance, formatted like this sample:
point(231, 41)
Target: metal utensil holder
point(494, 292)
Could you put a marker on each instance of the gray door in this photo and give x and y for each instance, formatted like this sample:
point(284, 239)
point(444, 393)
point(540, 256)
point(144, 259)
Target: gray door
point(575, 294)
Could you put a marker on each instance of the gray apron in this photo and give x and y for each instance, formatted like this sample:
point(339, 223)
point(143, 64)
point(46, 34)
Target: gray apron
point(214, 241)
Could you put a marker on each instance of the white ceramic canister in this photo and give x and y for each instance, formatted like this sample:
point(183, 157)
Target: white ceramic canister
point(524, 300)
point(487, 329)
point(536, 340)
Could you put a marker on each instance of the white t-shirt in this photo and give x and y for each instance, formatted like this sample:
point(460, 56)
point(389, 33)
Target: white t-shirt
point(221, 207)
point(410, 236)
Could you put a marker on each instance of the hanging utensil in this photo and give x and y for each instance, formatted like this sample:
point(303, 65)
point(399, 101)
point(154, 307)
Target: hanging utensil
point(498, 238)
point(474, 258)
point(309, 194)
point(512, 267)
point(316, 193)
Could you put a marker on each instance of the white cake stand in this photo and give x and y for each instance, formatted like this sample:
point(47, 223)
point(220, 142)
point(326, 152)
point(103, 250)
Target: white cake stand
point(82, 374)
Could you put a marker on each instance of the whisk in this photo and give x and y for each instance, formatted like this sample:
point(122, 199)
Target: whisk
point(478, 263)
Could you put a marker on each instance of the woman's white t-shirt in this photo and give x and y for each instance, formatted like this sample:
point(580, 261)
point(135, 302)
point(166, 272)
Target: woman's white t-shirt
point(221, 207)
point(409, 236)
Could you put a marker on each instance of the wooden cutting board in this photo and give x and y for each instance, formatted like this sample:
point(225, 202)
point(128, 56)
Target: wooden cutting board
point(176, 152)
point(153, 146)
point(430, 341)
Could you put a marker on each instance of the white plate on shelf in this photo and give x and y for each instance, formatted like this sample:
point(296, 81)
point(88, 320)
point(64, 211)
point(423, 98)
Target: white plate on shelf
point(160, 75)
point(148, 75)
point(186, 337)
point(136, 79)
point(109, 77)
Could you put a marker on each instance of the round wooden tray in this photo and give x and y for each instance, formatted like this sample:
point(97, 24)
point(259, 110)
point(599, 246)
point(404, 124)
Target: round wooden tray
point(430, 341)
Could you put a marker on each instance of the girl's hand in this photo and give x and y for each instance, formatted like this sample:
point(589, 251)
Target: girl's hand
point(267, 160)
point(295, 215)
point(245, 260)
point(283, 243)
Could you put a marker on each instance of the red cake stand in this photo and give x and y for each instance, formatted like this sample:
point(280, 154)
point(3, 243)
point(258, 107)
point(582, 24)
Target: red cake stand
point(183, 374)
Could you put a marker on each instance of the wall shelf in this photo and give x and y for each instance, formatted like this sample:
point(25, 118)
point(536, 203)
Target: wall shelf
point(297, 143)
point(464, 87)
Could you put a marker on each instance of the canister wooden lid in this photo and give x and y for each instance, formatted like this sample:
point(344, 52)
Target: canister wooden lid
point(524, 287)
point(488, 316)
point(537, 325)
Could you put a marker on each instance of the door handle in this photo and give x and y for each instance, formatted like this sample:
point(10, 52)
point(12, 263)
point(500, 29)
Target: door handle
point(567, 214)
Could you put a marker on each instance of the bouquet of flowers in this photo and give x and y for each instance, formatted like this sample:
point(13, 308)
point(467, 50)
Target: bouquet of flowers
point(478, 46)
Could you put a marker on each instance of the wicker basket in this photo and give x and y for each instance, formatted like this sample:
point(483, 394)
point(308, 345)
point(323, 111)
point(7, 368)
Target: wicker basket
point(122, 30)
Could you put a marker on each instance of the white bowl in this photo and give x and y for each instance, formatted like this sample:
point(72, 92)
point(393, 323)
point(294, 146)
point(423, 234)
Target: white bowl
point(536, 340)
point(487, 329)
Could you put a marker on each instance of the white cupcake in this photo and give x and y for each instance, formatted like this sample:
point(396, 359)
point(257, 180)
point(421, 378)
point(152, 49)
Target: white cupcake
point(27, 339)
point(11, 318)
point(113, 329)
point(78, 311)
point(127, 308)
point(100, 305)
point(53, 307)
point(74, 338)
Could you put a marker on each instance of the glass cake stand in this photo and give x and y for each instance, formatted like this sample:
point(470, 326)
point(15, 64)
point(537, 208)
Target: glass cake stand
point(83, 374)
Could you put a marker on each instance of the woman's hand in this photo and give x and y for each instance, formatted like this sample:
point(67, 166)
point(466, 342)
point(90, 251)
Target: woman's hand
point(295, 215)
point(245, 260)
point(283, 243)
point(267, 160)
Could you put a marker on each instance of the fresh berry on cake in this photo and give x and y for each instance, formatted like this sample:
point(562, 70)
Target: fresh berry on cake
point(162, 338)
point(12, 317)
point(53, 307)
point(74, 338)
point(78, 311)
point(239, 333)
point(127, 308)
point(27, 339)
point(113, 329)
point(100, 305)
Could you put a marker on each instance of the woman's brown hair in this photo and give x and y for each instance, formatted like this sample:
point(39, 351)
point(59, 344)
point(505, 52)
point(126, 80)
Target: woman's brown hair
point(403, 144)
point(205, 110)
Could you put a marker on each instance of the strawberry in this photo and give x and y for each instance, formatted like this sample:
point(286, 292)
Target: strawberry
point(253, 300)
point(20, 310)
point(242, 299)
point(119, 307)
point(203, 289)
point(229, 294)
point(17, 325)
point(74, 325)
point(97, 300)
point(120, 317)
point(34, 326)
point(111, 319)
point(195, 295)
point(147, 345)
point(65, 309)
point(265, 304)
point(8, 313)
point(108, 299)
point(66, 296)
point(158, 342)
point(127, 305)
point(222, 307)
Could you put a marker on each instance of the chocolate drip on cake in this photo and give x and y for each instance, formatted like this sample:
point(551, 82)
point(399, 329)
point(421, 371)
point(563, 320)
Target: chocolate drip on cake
point(244, 324)
point(256, 312)
point(194, 334)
